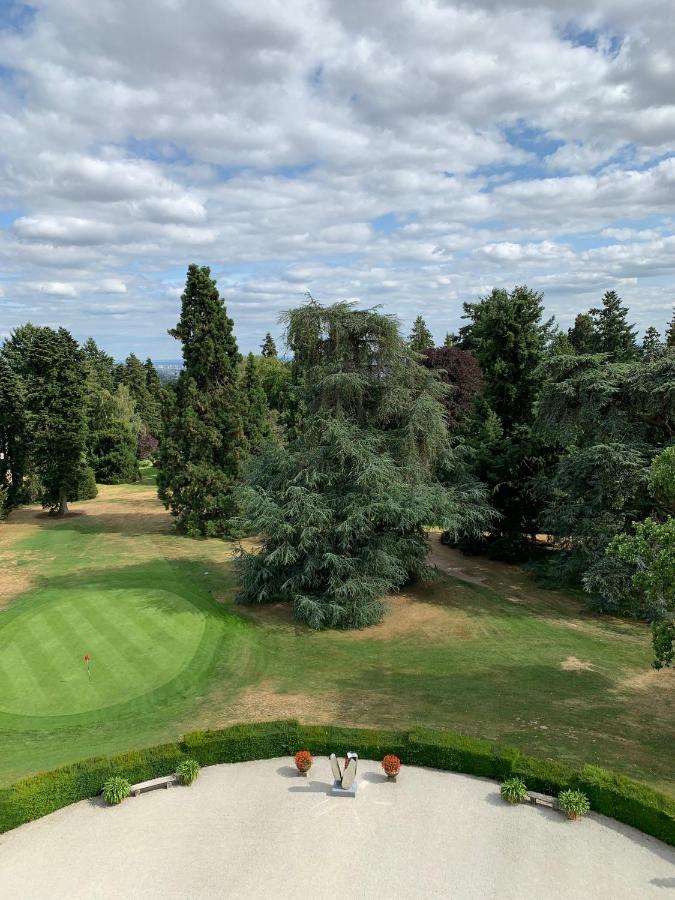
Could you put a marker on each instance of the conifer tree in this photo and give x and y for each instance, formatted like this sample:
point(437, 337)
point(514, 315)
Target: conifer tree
point(257, 413)
point(268, 347)
point(54, 372)
point(651, 342)
point(13, 437)
point(100, 364)
point(203, 444)
point(421, 338)
point(582, 336)
point(342, 511)
point(670, 333)
point(450, 340)
point(613, 333)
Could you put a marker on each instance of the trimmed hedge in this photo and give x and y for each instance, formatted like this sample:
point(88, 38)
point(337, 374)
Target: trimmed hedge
point(612, 795)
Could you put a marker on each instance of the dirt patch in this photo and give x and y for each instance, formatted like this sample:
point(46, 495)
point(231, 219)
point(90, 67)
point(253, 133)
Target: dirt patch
point(572, 664)
point(409, 617)
point(264, 703)
point(651, 680)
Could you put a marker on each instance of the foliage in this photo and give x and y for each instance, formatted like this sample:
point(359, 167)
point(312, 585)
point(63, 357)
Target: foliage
point(582, 336)
point(670, 333)
point(115, 789)
point(238, 743)
point(13, 435)
point(391, 765)
point(651, 342)
point(53, 371)
point(342, 511)
point(114, 428)
point(203, 445)
point(458, 370)
point(256, 415)
point(613, 334)
point(573, 803)
point(268, 348)
point(662, 479)
point(514, 790)
point(145, 390)
point(303, 760)
point(421, 339)
point(187, 771)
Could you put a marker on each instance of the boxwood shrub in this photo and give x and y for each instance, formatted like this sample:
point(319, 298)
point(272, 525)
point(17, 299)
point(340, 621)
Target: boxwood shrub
point(613, 795)
point(238, 743)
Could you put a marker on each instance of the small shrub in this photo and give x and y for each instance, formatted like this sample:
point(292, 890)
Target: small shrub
point(391, 765)
point(514, 790)
point(115, 789)
point(303, 761)
point(573, 803)
point(187, 771)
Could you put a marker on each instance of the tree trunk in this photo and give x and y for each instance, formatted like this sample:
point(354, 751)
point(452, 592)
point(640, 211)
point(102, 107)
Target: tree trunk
point(63, 503)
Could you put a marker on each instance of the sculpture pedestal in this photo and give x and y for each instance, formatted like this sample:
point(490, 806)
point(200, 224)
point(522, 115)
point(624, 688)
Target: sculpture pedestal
point(338, 791)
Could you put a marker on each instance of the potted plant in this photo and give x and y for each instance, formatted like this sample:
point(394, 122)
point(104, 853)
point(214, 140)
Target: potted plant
point(573, 803)
point(392, 766)
point(514, 790)
point(303, 761)
point(115, 789)
point(187, 770)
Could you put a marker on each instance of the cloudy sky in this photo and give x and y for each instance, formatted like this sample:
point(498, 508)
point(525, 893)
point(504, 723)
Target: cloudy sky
point(408, 153)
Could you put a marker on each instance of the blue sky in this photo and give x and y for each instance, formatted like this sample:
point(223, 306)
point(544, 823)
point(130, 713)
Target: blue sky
point(408, 154)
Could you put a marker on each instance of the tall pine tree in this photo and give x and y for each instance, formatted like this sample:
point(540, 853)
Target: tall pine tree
point(268, 347)
point(613, 333)
point(13, 436)
point(203, 444)
point(421, 339)
point(582, 336)
point(256, 412)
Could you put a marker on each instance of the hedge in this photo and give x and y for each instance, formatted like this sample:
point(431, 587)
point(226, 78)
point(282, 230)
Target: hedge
point(612, 795)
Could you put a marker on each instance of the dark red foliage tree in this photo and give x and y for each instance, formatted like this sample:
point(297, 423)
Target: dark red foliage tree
point(461, 372)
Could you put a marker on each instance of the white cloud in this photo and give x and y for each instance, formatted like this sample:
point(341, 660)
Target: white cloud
point(270, 139)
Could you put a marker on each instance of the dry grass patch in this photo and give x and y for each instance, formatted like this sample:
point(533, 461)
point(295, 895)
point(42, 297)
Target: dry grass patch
point(572, 664)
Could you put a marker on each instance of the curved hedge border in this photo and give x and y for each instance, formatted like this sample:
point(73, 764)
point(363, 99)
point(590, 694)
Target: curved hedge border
point(612, 795)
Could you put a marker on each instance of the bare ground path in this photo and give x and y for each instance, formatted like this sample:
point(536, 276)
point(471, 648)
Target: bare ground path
point(257, 830)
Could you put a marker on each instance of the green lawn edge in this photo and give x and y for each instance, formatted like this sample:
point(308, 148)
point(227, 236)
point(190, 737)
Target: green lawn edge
point(610, 794)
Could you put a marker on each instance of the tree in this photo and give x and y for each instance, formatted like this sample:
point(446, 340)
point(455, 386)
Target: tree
point(54, 372)
point(613, 333)
point(268, 347)
point(450, 339)
point(651, 342)
point(203, 444)
point(113, 435)
point(342, 511)
point(670, 333)
point(100, 364)
point(508, 338)
point(145, 390)
point(582, 336)
point(256, 413)
point(420, 339)
point(459, 370)
point(13, 434)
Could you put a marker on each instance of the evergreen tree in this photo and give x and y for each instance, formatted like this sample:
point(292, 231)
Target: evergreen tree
point(256, 413)
point(582, 336)
point(342, 511)
point(13, 436)
point(54, 372)
point(670, 333)
point(203, 444)
point(101, 365)
point(507, 336)
point(450, 339)
point(268, 347)
point(613, 333)
point(421, 339)
point(113, 435)
point(651, 342)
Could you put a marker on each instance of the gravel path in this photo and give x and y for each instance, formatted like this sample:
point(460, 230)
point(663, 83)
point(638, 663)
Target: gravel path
point(257, 830)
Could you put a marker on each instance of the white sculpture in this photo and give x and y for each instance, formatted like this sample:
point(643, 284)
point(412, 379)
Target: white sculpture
point(344, 782)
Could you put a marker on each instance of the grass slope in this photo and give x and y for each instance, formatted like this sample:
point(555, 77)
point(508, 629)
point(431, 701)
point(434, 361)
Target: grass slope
point(481, 650)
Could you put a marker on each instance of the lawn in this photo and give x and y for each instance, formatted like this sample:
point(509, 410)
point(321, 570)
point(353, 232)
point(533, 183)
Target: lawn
point(480, 650)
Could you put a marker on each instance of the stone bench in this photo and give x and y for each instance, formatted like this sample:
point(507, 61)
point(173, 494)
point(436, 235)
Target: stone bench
point(537, 799)
point(164, 782)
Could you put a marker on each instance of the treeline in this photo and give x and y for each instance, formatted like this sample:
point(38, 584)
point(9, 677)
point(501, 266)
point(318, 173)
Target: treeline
point(71, 417)
point(520, 440)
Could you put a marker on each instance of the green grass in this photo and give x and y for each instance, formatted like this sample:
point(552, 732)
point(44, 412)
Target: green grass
point(170, 652)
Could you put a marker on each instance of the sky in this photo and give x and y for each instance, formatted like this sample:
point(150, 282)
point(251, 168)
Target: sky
point(407, 153)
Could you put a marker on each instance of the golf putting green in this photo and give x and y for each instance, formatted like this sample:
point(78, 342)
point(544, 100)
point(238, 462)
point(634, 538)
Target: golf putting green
point(138, 640)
